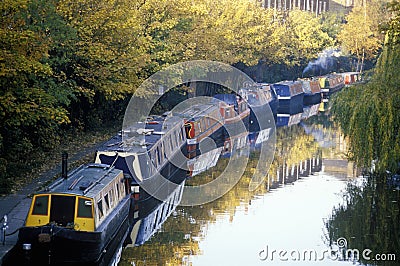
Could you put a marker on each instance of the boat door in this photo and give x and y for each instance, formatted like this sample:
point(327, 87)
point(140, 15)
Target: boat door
point(62, 209)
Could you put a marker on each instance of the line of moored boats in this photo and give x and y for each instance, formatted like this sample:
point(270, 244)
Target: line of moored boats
point(80, 216)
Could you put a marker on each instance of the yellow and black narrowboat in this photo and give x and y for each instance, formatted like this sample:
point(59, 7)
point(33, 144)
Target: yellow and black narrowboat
point(78, 218)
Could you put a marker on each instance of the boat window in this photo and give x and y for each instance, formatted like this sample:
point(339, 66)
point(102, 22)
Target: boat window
point(111, 197)
point(100, 207)
point(171, 143)
point(198, 127)
point(164, 149)
point(177, 136)
point(118, 192)
point(158, 156)
point(85, 208)
point(181, 134)
point(227, 114)
point(62, 209)
point(41, 205)
point(106, 199)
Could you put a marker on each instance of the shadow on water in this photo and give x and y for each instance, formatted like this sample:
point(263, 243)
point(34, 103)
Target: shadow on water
point(369, 220)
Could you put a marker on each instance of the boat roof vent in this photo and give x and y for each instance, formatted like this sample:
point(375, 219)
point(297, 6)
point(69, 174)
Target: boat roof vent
point(84, 185)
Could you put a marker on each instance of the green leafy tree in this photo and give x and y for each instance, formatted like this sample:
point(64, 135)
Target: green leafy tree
point(361, 36)
point(368, 114)
point(29, 115)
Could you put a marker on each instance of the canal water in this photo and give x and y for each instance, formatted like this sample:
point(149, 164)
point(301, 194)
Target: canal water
point(313, 208)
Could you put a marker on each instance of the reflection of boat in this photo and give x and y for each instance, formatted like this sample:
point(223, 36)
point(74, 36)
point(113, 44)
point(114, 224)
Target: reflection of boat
point(257, 138)
point(78, 218)
point(147, 149)
point(330, 84)
point(312, 92)
point(324, 105)
point(234, 144)
point(149, 216)
point(288, 119)
point(310, 110)
point(203, 162)
point(290, 96)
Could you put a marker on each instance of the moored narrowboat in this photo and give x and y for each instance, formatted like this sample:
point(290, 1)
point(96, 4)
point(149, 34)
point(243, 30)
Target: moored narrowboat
point(77, 218)
point(351, 77)
point(290, 97)
point(330, 84)
point(261, 99)
point(203, 121)
point(235, 113)
point(148, 149)
point(312, 91)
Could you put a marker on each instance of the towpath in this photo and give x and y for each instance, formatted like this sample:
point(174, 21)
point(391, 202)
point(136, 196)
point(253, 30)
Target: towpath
point(16, 205)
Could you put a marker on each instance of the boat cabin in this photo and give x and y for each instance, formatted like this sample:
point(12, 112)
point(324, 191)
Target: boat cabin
point(82, 202)
point(331, 83)
point(156, 141)
point(351, 77)
point(290, 97)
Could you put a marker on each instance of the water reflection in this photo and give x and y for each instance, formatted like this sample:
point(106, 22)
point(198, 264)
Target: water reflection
point(369, 220)
point(285, 212)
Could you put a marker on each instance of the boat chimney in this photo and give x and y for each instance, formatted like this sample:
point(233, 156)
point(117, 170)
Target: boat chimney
point(64, 165)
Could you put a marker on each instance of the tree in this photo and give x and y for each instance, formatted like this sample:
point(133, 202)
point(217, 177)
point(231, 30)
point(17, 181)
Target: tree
point(29, 115)
point(361, 35)
point(368, 114)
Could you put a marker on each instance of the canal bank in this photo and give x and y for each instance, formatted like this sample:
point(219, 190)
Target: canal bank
point(16, 205)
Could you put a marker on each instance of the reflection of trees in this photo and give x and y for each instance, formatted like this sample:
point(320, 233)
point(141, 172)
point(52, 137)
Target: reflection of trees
point(180, 233)
point(170, 246)
point(369, 218)
point(328, 136)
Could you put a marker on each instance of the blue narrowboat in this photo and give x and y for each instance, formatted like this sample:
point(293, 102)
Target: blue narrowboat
point(261, 99)
point(290, 97)
point(149, 150)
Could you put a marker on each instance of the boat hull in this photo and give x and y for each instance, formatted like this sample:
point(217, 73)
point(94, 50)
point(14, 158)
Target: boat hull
point(291, 105)
point(311, 99)
point(57, 245)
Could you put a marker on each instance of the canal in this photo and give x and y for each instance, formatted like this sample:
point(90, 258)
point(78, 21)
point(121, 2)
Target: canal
point(313, 208)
